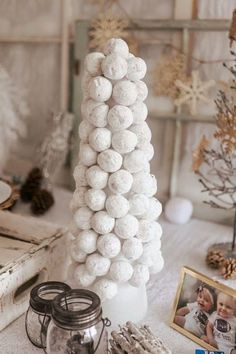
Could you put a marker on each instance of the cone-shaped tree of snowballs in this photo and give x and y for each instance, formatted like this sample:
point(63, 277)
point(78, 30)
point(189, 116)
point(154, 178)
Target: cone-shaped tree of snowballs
point(116, 236)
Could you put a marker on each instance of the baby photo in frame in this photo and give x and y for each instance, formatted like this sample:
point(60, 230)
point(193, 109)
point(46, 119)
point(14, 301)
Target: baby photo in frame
point(205, 312)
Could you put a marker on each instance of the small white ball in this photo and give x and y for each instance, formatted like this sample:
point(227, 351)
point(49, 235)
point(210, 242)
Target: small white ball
point(158, 264)
point(135, 161)
point(95, 199)
point(118, 46)
point(83, 217)
point(87, 241)
point(87, 156)
point(139, 204)
point(143, 133)
point(147, 167)
point(150, 249)
point(178, 210)
point(77, 254)
point(142, 90)
point(154, 210)
point(97, 265)
point(106, 289)
point(102, 223)
point(79, 175)
point(100, 139)
point(96, 177)
point(88, 105)
point(140, 112)
point(132, 249)
point(144, 183)
point(126, 227)
point(148, 151)
point(121, 271)
point(137, 69)
point(148, 230)
point(110, 160)
point(114, 67)
point(140, 275)
point(119, 117)
point(124, 141)
point(82, 276)
point(97, 114)
point(93, 63)
point(85, 128)
point(120, 182)
point(124, 92)
point(109, 245)
point(100, 89)
point(117, 206)
point(78, 199)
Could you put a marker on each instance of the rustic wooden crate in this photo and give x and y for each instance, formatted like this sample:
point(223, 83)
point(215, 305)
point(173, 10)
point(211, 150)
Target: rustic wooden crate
point(31, 251)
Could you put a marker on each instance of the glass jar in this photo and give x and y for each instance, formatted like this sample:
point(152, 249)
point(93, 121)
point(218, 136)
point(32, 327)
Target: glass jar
point(77, 326)
point(38, 314)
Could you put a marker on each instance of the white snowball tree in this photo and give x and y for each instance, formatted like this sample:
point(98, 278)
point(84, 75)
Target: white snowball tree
point(116, 235)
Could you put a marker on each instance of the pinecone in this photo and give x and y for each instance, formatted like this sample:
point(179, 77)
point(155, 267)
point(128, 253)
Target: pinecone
point(31, 185)
point(228, 269)
point(41, 202)
point(214, 259)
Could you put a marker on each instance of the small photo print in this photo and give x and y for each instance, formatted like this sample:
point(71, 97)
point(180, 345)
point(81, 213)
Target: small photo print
point(205, 312)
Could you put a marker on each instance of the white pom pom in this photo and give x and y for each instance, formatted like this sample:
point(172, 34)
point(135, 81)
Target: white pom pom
point(154, 210)
point(126, 227)
point(178, 210)
point(87, 155)
point(148, 151)
point(97, 115)
point(114, 67)
point(93, 63)
point(124, 92)
point(135, 161)
point(157, 265)
point(79, 175)
point(139, 204)
point(142, 90)
point(140, 112)
point(78, 199)
point(120, 182)
point(76, 254)
point(132, 249)
point(100, 139)
point(121, 271)
point(95, 199)
point(97, 265)
point(106, 289)
point(108, 245)
point(124, 141)
point(82, 276)
point(137, 69)
point(118, 46)
point(102, 223)
point(96, 177)
point(117, 206)
point(110, 160)
point(87, 241)
point(82, 218)
point(100, 89)
point(85, 128)
point(148, 230)
point(119, 117)
point(143, 133)
point(140, 275)
point(144, 183)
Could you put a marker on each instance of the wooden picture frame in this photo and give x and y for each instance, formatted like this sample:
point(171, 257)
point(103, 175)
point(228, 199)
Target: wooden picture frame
point(193, 287)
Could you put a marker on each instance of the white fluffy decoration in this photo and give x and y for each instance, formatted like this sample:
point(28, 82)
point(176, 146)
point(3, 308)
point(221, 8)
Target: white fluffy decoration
point(114, 67)
point(95, 199)
point(85, 129)
point(135, 161)
point(79, 175)
point(120, 182)
point(87, 155)
point(139, 204)
point(140, 275)
point(105, 288)
point(178, 210)
point(93, 63)
point(119, 117)
point(87, 241)
point(96, 177)
point(78, 199)
point(82, 218)
point(126, 227)
point(137, 69)
point(97, 265)
point(100, 139)
point(142, 90)
point(102, 223)
point(124, 92)
point(118, 46)
point(132, 249)
point(110, 160)
point(148, 230)
point(124, 141)
point(140, 112)
point(82, 276)
point(100, 89)
point(109, 245)
point(117, 206)
point(121, 271)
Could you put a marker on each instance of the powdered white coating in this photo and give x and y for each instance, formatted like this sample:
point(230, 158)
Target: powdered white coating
point(97, 265)
point(93, 63)
point(148, 151)
point(150, 249)
point(114, 66)
point(140, 112)
point(87, 156)
point(119, 117)
point(96, 177)
point(85, 128)
point(76, 254)
point(135, 161)
point(120, 182)
point(144, 183)
point(157, 265)
point(105, 288)
point(82, 276)
point(97, 114)
point(147, 167)
point(100, 89)
point(78, 199)
point(140, 275)
point(109, 245)
point(143, 133)
point(102, 223)
point(117, 206)
point(137, 68)
point(148, 230)
point(142, 90)
point(109, 160)
point(79, 175)
point(87, 241)
point(95, 199)
point(118, 46)
point(83, 217)
point(100, 139)
point(88, 105)
point(139, 204)
point(86, 77)
point(126, 227)
point(132, 249)
point(121, 271)
point(124, 141)
point(154, 210)
point(124, 92)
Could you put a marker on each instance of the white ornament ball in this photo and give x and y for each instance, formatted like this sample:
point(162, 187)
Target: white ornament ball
point(85, 128)
point(137, 69)
point(77, 254)
point(79, 175)
point(82, 218)
point(142, 90)
point(102, 223)
point(100, 89)
point(110, 160)
point(124, 141)
point(148, 230)
point(157, 265)
point(126, 227)
point(140, 275)
point(97, 113)
point(135, 161)
point(118, 46)
point(100, 139)
point(139, 204)
point(87, 241)
point(120, 182)
point(97, 265)
point(96, 177)
point(144, 183)
point(140, 112)
point(117, 206)
point(119, 117)
point(154, 210)
point(124, 92)
point(109, 245)
point(178, 210)
point(143, 133)
point(121, 271)
point(87, 156)
point(132, 249)
point(106, 289)
point(82, 276)
point(95, 199)
point(114, 67)
point(93, 63)
point(78, 199)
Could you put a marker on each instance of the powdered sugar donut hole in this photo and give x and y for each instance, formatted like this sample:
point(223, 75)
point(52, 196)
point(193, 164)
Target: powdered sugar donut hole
point(124, 141)
point(143, 133)
point(110, 160)
point(105, 288)
point(120, 182)
point(78, 199)
point(100, 89)
point(97, 265)
point(140, 275)
point(102, 222)
point(142, 90)
point(147, 230)
point(87, 156)
point(135, 161)
point(148, 151)
point(144, 183)
point(76, 254)
point(87, 241)
point(100, 139)
point(114, 67)
point(119, 117)
point(158, 264)
point(140, 112)
point(139, 204)
point(137, 69)
point(82, 218)
point(93, 63)
point(154, 210)
point(96, 177)
point(126, 227)
point(124, 92)
point(97, 114)
point(120, 271)
point(109, 245)
point(118, 46)
point(117, 206)
point(132, 249)
point(95, 199)
point(82, 277)
point(79, 175)
point(85, 128)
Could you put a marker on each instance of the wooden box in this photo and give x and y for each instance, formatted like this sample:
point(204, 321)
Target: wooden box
point(31, 251)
